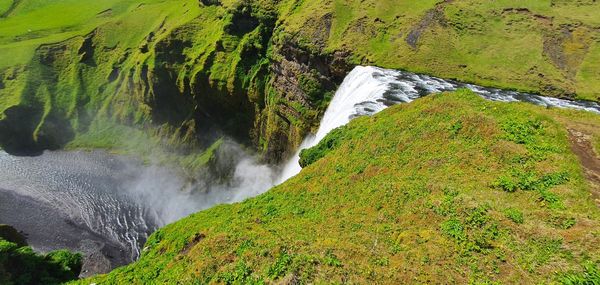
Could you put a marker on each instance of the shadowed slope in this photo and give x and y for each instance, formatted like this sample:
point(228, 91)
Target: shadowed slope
point(447, 188)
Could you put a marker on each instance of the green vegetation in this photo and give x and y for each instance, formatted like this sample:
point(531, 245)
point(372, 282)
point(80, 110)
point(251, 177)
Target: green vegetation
point(447, 189)
point(20, 265)
point(263, 70)
point(404, 197)
point(327, 144)
point(514, 215)
point(541, 46)
point(589, 276)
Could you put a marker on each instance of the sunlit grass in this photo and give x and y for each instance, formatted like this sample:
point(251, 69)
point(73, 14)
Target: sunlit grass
point(405, 196)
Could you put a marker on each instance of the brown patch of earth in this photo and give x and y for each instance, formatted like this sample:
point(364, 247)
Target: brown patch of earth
point(582, 147)
point(195, 240)
point(433, 17)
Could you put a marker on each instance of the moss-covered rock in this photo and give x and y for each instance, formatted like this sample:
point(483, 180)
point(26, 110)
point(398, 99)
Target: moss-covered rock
point(19, 264)
point(10, 234)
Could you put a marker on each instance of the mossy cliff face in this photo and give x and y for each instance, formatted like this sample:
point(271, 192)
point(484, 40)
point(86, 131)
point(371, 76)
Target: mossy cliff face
point(262, 71)
point(191, 77)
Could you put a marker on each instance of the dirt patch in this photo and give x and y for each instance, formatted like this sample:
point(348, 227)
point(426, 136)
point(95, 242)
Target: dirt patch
point(540, 18)
point(10, 9)
point(433, 17)
point(195, 240)
point(105, 13)
point(567, 46)
point(582, 147)
point(322, 30)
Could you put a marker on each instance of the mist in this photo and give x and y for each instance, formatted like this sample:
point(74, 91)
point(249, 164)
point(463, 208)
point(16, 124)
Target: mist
point(234, 175)
point(106, 206)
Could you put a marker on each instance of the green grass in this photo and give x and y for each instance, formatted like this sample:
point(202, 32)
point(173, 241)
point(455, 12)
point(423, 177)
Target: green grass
point(5, 5)
point(61, 57)
point(476, 42)
point(405, 196)
point(111, 60)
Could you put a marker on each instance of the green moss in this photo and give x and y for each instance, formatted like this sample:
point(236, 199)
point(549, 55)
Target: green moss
point(19, 264)
point(329, 143)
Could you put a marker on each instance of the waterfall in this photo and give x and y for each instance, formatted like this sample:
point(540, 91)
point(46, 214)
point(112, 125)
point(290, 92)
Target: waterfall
point(368, 90)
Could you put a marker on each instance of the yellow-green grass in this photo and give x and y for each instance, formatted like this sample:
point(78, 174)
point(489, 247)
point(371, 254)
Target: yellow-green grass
point(494, 43)
point(419, 193)
point(34, 23)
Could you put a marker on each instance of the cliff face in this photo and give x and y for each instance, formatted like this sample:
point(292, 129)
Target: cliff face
point(263, 71)
point(217, 72)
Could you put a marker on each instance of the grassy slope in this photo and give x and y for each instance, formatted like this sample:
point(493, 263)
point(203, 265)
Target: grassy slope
point(36, 22)
point(423, 200)
point(483, 42)
point(132, 62)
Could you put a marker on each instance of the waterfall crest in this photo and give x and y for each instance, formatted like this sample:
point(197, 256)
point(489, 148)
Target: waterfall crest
point(368, 90)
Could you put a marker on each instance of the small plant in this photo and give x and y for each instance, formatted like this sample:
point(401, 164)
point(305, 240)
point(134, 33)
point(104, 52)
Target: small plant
point(455, 128)
point(550, 199)
point(506, 183)
point(562, 222)
point(529, 181)
point(514, 215)
point(589, 276)
point(454, 229)
point(568, 223)
point(553, 179)
point(382, 261)
point(243, 247)
point(331, 259)
point(522, 132)
point(242, 274)
point(279, 268)
point(478, 217)
point(447, 206)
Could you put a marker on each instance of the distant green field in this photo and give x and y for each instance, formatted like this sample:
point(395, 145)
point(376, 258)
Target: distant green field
point(507, 43)
point(37, 22)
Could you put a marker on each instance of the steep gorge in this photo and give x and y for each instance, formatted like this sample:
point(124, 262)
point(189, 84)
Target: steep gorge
point(192, 83)
point(263, 71)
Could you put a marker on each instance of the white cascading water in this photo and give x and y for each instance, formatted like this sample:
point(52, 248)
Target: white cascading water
point(368, 90)
point(357, 88)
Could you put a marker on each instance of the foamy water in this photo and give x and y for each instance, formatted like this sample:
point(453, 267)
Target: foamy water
point(368, 90)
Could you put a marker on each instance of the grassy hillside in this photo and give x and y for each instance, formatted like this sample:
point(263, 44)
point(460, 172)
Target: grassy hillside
point(263, 70)
point(447, 189)
point(545, 46)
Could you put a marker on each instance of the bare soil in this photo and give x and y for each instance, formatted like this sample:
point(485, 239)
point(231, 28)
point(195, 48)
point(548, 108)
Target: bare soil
point(582, 147)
